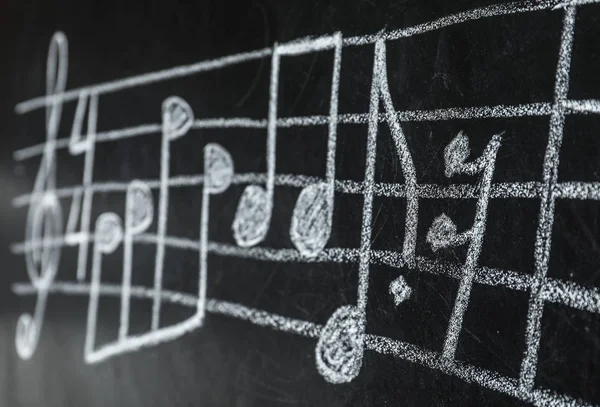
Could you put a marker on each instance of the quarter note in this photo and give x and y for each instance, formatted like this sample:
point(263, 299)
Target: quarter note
point(340, 350)
point(107, 236)
point(177, 119)
point(253, 215)
point(340, 347)
point(44, 218)
point(139, 213)
point(218, 174)
point(312, 217)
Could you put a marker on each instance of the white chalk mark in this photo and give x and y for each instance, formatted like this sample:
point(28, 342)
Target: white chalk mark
point(313, 213)
point(253, 215)
point(589, 106)
point(177, 118)
point(380, 91)
point(139, 213)
point(218, 170)
point(108, 235)
point(529, 190)
point(340, 349)
point(455, 154)
point(45, 221)
point(341, 342)
point(494, 10)
point(145, 79)
point(406, 161)
point(462, 113)
point(443, 231)
point(400, 290)
point(546, 216)
point(402, 350)
point(77, 146)
point(44, 218)
point(70, 235)
point(453, 19)
point(218, 167)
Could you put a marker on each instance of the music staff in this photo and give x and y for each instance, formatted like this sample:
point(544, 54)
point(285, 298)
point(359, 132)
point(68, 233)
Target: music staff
point(342, 341)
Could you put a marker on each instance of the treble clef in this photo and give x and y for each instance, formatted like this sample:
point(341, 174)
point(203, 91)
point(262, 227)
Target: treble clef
point(44, 219)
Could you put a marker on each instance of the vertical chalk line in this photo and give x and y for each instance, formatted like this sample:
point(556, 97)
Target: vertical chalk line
point(88, 173)
point(203, 243)
point(408, 167)
point(333, 120)
point(546, 218)
point(163, 213)
point(272, 127)
point(368, 186)
point(477, 234)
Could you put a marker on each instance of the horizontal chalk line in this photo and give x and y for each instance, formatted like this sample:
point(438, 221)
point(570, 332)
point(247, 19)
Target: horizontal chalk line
point(235, 310)
point(383, 345)
point(565, 190)
point(556, 291)
point(204, 66)
point(455, 113)
point(456, 191)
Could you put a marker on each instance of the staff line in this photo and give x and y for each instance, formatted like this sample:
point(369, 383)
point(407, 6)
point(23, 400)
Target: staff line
point(585, 106)
point(376, 343)
point(554, 290)
point(212, 64)
point(499, 190)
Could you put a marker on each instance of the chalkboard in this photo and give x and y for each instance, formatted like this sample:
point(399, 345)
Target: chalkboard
point(285, 203)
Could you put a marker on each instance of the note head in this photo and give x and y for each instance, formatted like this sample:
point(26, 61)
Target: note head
point(109, 232)
point(178, 117)
point(311, 220)
point(218, 168)
point(456, 153)
point(340, 347)
point(140, 207)
point(442, 232)
point(252, 217)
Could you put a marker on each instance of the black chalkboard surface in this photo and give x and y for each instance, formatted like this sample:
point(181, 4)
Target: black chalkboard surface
point(284, 203)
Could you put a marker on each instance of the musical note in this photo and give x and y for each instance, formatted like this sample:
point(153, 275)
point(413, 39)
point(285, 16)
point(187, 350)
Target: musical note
point(253, 215)
point(108, 235)
point(340, 347)
point(139, 212)
point(218, 173)
point(342, 341)
point(443, 231)
point(312, 217)
point(379, 93)
point(177, 119)
point(44, 218)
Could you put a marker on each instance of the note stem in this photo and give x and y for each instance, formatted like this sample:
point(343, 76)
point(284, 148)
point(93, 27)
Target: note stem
point(162, 226)
point(473, 252)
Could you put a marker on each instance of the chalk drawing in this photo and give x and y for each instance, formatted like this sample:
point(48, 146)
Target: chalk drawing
point(44, 218)
point(443, 231)
point(343, 341)
point(400, 290)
